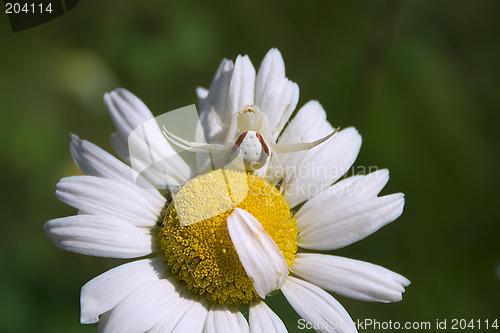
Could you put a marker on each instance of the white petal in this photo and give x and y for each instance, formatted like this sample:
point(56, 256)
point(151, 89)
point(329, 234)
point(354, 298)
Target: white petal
point(213, 107)
point(140, 310)
point(262, 319)
point(308, 125)
point(242, 86)
point(222, 319)
point(151, 151)
point(339, 196)
point(317, 307)
point(351, 278)
point(105, 291)
point(350, 224)
point(279, 105)
point(99, 236)
point(120, 147)
point(257, 251)
point(271, 71)
point(322, 166)
point(127, 111)
point(178, 306)
point(276, 96)
point(102, 196)
point(217, 95)
point(194, 319)
point(130, 114)
point(212, 114)
point(216, 99)
point(94, 161)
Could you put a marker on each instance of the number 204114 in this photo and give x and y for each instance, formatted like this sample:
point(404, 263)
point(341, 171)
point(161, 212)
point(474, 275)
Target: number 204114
point(27, 8)
point(462, 324)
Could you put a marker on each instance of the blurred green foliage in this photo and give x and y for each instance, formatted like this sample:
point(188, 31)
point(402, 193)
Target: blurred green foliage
point(419, 79)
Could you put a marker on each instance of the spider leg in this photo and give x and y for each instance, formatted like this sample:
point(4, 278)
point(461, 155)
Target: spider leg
point(294, 147)
point(197, 147)
point(221, 159)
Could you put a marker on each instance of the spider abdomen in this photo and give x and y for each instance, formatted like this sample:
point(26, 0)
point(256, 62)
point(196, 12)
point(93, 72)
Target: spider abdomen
point(252, 148)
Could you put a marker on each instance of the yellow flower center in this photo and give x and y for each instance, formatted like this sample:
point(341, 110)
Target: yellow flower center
point(194, 240)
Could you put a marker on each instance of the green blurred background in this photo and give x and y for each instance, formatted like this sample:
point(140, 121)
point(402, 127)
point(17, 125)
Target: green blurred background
point(419, 79)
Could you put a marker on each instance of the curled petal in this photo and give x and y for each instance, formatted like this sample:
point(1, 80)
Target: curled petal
point(257, 251)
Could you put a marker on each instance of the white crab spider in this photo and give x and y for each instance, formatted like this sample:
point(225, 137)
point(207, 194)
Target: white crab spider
point(249, 135)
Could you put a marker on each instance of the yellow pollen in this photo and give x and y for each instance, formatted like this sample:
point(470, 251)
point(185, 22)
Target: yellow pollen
point(194, 240)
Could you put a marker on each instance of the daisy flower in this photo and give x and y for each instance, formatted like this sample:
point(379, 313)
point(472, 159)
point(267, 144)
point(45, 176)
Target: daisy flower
point(199, 277)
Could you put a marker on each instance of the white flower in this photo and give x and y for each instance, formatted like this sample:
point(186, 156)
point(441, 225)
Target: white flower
point(199, 275)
